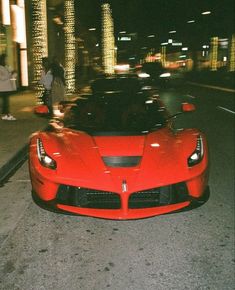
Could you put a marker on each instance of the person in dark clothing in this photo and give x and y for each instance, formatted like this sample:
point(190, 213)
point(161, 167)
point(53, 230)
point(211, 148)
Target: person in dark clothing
point(57, 86)
point(46, 80)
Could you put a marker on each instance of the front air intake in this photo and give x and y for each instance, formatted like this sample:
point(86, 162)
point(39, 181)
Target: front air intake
point(87, 198)
point(121, 161)
point(159, 196)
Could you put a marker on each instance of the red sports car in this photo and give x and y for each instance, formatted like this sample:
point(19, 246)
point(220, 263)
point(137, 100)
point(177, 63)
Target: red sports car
point(118, 158)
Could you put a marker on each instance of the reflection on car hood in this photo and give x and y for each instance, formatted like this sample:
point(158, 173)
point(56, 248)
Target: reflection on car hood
point(80, 157)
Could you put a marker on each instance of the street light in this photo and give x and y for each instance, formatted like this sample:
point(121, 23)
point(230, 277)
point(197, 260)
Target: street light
point(206, 12)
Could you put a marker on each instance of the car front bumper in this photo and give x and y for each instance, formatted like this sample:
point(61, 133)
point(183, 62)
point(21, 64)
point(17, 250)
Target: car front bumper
point(123, 213)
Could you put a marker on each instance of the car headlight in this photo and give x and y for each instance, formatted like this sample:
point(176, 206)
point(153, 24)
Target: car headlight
point(146, 88)
point(165, 75)
point(197, 154)
point(143, 75)
point(44, 159)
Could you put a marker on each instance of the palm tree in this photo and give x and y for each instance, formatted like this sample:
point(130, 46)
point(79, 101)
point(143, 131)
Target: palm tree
point(108, 49)
point(39, 37)
point(69, 33)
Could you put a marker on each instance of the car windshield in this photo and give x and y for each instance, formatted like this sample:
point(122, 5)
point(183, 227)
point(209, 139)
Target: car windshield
point(116, 84)
point(121, 116)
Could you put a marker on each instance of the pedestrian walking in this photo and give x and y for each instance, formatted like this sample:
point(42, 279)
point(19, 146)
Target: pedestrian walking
point(7, 86)
point(57, 86)
point(46, 80)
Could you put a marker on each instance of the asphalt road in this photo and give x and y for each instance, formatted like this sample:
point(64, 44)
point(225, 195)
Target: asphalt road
point(190, 250)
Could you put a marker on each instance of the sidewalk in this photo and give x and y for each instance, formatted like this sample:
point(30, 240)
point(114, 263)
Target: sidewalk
point(14, 135)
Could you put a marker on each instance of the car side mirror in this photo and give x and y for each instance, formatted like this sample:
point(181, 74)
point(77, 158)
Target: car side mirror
point(187, 107)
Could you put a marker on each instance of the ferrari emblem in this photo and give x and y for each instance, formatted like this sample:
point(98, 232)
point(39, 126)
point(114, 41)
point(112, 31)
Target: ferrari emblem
point(124, 186)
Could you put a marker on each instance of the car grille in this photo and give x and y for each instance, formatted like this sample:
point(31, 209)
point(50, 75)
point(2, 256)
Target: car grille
point(87, 198)
point(159, 196)
point(90, 198)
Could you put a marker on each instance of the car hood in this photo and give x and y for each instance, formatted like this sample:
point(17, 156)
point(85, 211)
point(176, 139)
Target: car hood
point(160, 158)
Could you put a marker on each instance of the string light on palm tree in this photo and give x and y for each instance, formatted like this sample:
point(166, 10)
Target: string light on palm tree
point(214, 53)
point(39, 40)
point(108, 43)
point(232, 54)
point(69, 33)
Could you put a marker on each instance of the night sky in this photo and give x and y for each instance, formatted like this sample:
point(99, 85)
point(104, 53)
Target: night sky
point(160, 16)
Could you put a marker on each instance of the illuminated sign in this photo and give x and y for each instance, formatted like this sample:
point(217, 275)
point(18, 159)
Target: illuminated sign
point(177, 44)
point(223, 42)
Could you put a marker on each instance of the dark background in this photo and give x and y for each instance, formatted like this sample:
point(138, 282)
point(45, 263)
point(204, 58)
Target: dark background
point(160, 16)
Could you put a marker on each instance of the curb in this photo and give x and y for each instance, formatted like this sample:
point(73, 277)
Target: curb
point(13, 164)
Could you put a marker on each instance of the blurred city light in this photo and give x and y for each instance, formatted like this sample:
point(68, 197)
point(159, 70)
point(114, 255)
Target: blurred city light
point(108, 51)
point(142, 45)
point(18, 24)
point(163, 55)
point(143, 75)
point(122, 67)
point(24, 68)
point(224, 42)
point(69, 33)
point(58, 20)
point(232, 54)
point(177, 43)
point(124, 38)
point(214, 53)
point(39, 38)
point(206, 12)
point(165, 75)
point(23, 48)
